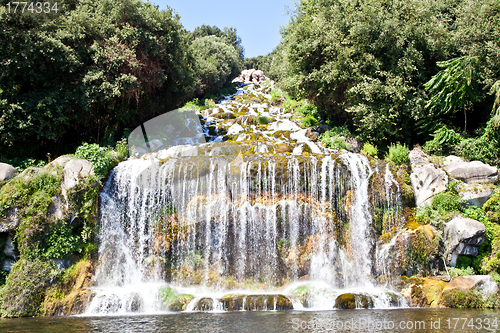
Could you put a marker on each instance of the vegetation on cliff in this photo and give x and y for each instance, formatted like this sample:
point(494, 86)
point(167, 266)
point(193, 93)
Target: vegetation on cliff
point(54, 230)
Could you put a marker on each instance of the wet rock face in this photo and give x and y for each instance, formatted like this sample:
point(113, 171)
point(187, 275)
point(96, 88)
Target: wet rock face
point(205, 304)
point(233, 303)
point(245, 302)
point(353, 301)
point(180, 303)
point(461, 237)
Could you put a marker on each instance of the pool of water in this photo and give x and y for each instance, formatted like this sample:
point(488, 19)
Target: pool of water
point(396, 320)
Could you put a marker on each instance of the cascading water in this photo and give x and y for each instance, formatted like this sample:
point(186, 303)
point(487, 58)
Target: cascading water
point(220, 216)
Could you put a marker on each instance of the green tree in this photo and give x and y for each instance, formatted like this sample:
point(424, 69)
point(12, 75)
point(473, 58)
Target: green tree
point(230, 35)
point(453, 88)
point(84, 74)
point(254, 62)
point(216, 63)
point(365, 62)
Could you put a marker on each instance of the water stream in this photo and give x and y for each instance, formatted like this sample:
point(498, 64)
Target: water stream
point(242, 217)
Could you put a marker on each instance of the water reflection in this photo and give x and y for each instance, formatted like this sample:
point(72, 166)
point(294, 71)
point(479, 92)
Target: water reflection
point(422, 320)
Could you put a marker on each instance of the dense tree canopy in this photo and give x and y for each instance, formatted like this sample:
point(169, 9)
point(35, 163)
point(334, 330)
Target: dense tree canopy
point(216, 62)
point(98, 67)
point(366, 62)
point(229, 35)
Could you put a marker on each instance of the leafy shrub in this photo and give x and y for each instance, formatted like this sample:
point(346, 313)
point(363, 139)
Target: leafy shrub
point(33, 198)
point(61, 243)
point(196, 103)
point(398, 154)
point(108, 76)
point(456, 272)
point(485, 148)
point(443, 207)
point(444, 142)
point(309, 121)
point(334, 142)
point(216, 63)
point(426, 215)
point(100, 157)
point(290, 104)
point(276, 96)
point(369, 150)
point(463, 299)
point(83, 199)
point(335, 138)
point(482, 149)
point(24, 290)
point(308, 109)
point(447, 201)
point(121, 149)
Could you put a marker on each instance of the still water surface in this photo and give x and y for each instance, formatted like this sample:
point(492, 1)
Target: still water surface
point(397, 320)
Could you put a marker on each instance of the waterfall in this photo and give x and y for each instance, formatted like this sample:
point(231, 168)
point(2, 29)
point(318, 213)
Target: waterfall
point(220, 217)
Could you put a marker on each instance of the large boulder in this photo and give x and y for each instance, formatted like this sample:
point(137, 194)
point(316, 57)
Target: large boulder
point(481, 283)
point(474, 172)
point(61, 161)
point(461, 237)
point(424, 292)
point(418, 157)
point(474, 195)
point(74, 170)
point(427, 181)
point(353, 301)
point(7, 171)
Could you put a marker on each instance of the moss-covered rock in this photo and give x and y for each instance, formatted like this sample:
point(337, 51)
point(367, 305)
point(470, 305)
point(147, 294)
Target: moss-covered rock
point(204, 304)
point(492, 208)
point(345, 301)
point(303, 294)
point(283, 303)
point(25, 287)
point(423, 250)
point(258, 302)
point(180, 302)
point(424, 292)
point(71, 295)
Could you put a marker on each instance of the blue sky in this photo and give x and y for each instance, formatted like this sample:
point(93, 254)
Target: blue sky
point(258, 22)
